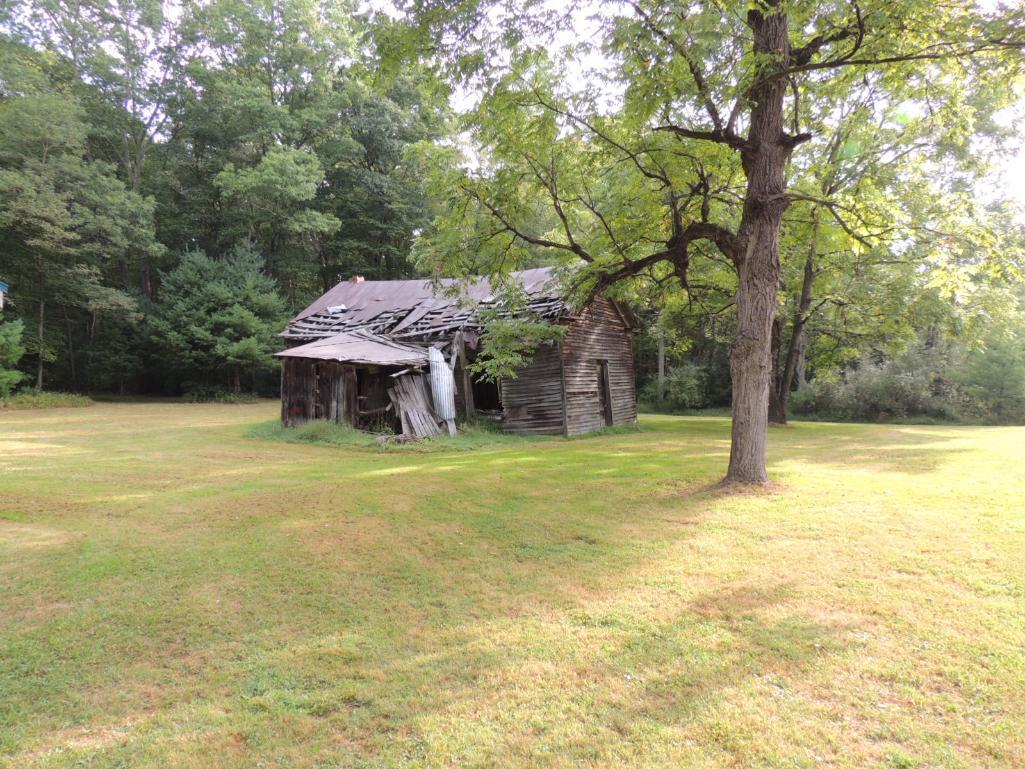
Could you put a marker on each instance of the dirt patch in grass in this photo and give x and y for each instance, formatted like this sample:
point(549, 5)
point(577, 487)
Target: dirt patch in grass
point(67, 744)
point(15, 535)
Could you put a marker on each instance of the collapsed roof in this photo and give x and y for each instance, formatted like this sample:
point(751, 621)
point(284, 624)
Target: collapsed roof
point(412, 310)
point(359, 347)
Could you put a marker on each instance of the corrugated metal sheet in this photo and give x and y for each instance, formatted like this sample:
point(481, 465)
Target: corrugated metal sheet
point(360, 347)
point(443, 386)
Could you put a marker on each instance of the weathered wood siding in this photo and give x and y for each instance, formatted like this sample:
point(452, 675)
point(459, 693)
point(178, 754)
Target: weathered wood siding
point(317, 390)
point(598, 334)
point(532, 403)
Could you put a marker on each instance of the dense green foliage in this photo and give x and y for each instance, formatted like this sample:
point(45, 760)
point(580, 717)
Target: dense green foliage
point(937, 379)
point(627, 153)
point(936, 375)
point(685, 387)
point(34, 399)
point(132, 136)
point(11, 350)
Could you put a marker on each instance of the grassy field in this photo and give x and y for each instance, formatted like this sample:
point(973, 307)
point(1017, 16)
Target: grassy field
point(175, 592)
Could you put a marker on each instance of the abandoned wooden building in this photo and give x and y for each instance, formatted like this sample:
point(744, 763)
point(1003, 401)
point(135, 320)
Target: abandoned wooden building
point(394, 356)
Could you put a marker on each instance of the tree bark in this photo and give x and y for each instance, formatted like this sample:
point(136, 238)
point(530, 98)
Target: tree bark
point(800, 370)
point(750, 356)
point(39, 343)
point(133, 156)
point(660, 393)
point(71, 351)
point(765, 156)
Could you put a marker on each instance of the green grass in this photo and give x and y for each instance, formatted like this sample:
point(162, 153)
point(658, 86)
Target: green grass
point(30, 399)
point(472, 437)
point(175, 592)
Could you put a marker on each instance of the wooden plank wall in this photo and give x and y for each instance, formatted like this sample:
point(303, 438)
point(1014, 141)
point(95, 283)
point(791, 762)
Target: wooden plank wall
point(598, 334)
point(532, 402)
point(297, 395)
point(317, 390)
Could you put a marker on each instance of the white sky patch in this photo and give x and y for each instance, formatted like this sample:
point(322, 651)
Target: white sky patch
point(1008, 178)
point(1014, 175)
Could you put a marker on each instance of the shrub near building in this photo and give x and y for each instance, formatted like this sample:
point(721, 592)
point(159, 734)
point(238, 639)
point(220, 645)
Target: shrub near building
point(11, 350)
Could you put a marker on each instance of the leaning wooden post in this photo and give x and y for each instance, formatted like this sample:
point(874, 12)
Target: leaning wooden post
point(467, 380)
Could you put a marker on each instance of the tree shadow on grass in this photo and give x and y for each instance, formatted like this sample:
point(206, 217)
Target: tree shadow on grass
point(698, 450)
point(632, 679)
point(448, 654)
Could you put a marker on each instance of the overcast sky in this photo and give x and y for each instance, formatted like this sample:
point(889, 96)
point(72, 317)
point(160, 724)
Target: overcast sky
point(1013, 177)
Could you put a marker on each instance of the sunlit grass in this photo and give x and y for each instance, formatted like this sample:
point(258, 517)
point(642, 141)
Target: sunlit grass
point(177, 589)
point(324, 433)
point(30, 399)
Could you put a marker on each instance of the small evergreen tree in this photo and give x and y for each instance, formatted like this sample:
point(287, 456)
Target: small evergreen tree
point(216, 320)
point(11, 350)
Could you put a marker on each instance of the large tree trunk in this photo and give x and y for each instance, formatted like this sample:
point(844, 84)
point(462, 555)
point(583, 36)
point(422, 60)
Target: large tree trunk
point(750, 362)
point(801, 369)
point(765, 156)
point(69, 331)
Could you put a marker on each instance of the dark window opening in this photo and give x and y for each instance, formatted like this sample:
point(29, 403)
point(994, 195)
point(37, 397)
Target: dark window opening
point(486, 395)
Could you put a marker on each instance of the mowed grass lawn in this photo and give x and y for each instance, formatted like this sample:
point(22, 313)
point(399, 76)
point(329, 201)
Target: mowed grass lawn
point(174, 593)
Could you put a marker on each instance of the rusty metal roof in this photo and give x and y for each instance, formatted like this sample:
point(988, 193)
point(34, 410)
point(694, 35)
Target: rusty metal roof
point(414, 309)
point(360, 347)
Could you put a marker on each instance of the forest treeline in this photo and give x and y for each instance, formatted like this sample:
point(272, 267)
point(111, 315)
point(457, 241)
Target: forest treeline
point(175, 181)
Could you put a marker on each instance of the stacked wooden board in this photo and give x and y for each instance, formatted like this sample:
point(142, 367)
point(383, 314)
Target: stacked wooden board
point(412, 404)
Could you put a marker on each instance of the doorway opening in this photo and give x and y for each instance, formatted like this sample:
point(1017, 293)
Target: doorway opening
point(487, 396)
point(604, 392)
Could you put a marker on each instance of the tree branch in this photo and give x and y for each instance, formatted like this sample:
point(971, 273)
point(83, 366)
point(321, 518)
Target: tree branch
point(717, 136)
point(695, 70)
point(940, 51)
point(676, 253)
point(855, 29)
point(658, 175)
point(525, 237)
